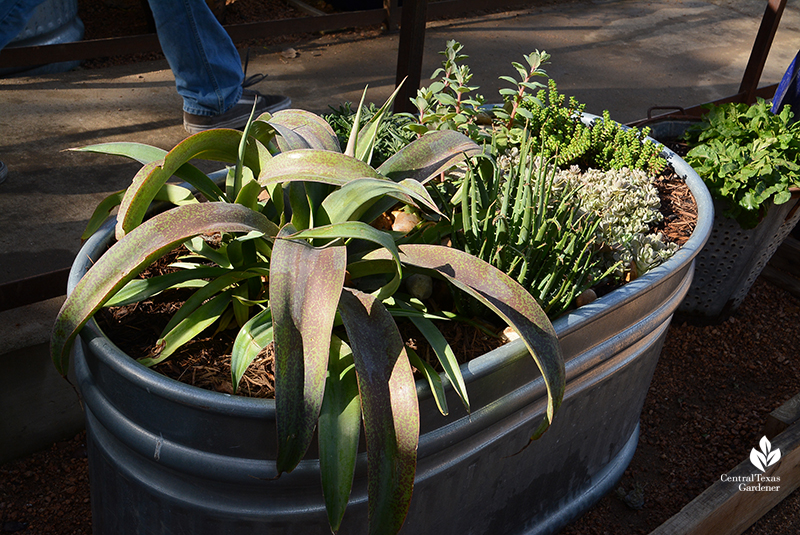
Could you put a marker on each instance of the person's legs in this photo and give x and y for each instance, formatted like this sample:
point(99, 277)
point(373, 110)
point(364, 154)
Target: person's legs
point(207, 68)
point(204, 60)
point(14, 15)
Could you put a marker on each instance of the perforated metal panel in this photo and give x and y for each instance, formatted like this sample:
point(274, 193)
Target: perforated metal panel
point(731, 261)
point(733, 258)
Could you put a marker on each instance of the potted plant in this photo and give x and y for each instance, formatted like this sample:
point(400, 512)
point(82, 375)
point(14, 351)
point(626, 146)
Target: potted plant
point(747, 156)
point(203, 461)
point(321, 304)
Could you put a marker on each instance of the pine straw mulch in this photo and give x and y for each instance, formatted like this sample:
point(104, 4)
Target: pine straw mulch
point(678, 207)
point(206, 360)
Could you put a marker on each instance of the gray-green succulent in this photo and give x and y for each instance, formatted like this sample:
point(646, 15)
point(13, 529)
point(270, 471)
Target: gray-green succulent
point(626, 205)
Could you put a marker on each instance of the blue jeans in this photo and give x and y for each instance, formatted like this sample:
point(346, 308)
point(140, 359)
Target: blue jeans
point(205, 62)
point(14, 15)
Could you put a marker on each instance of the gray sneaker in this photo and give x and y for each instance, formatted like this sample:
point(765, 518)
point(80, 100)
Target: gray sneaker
point(237, 116)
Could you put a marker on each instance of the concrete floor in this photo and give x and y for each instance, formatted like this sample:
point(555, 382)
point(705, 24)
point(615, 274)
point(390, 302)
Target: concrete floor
point(620, 55)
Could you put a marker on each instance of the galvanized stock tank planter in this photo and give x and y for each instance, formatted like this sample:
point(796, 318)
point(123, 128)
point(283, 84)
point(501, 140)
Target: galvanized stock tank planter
point(165, 457)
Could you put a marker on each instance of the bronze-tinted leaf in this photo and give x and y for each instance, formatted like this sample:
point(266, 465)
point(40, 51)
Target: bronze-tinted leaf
point(304, 287)
point(339, 429)
point(428, 156)
point(389, 407)
point(140, 248)
point(506, 298)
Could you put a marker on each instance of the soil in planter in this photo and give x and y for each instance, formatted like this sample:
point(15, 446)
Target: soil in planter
point(678, 208)
point(205, 362)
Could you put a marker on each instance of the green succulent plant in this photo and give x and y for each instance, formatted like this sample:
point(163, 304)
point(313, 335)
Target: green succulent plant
point(534, 232)
point(615, 146)
point(530, 110)
point(295, 211)
point(512, 213)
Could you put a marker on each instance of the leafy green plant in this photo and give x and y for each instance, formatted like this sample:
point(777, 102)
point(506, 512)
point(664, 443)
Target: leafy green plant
point(447, 103)
point(295, 212)
point(747, 156)
point(393, 133)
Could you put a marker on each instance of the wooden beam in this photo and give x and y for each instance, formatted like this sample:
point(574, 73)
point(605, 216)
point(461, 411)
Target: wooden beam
point(134, 44)
point(30, 290)
point(27, 56)
point(783, 269)
point(748, 89)
point(409, 53)
point(781, 279)
point(787, 256)
point(783, 261)
point(781, 418)
point(724, 509)
point(761, 46)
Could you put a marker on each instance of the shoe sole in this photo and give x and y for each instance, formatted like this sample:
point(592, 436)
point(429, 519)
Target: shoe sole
point(235, 122)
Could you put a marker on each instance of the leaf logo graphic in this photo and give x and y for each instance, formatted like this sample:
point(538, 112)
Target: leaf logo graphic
point(766, 457)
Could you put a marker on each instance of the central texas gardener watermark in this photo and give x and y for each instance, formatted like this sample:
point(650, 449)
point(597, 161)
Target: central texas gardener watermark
point(762, 459)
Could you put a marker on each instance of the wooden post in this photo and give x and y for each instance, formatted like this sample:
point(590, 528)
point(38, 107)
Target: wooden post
point(410, 49)
point(758, 56)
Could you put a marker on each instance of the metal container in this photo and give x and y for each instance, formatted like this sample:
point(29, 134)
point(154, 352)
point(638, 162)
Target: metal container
point(733, 257)
point(165, 457)
point(53, 22)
